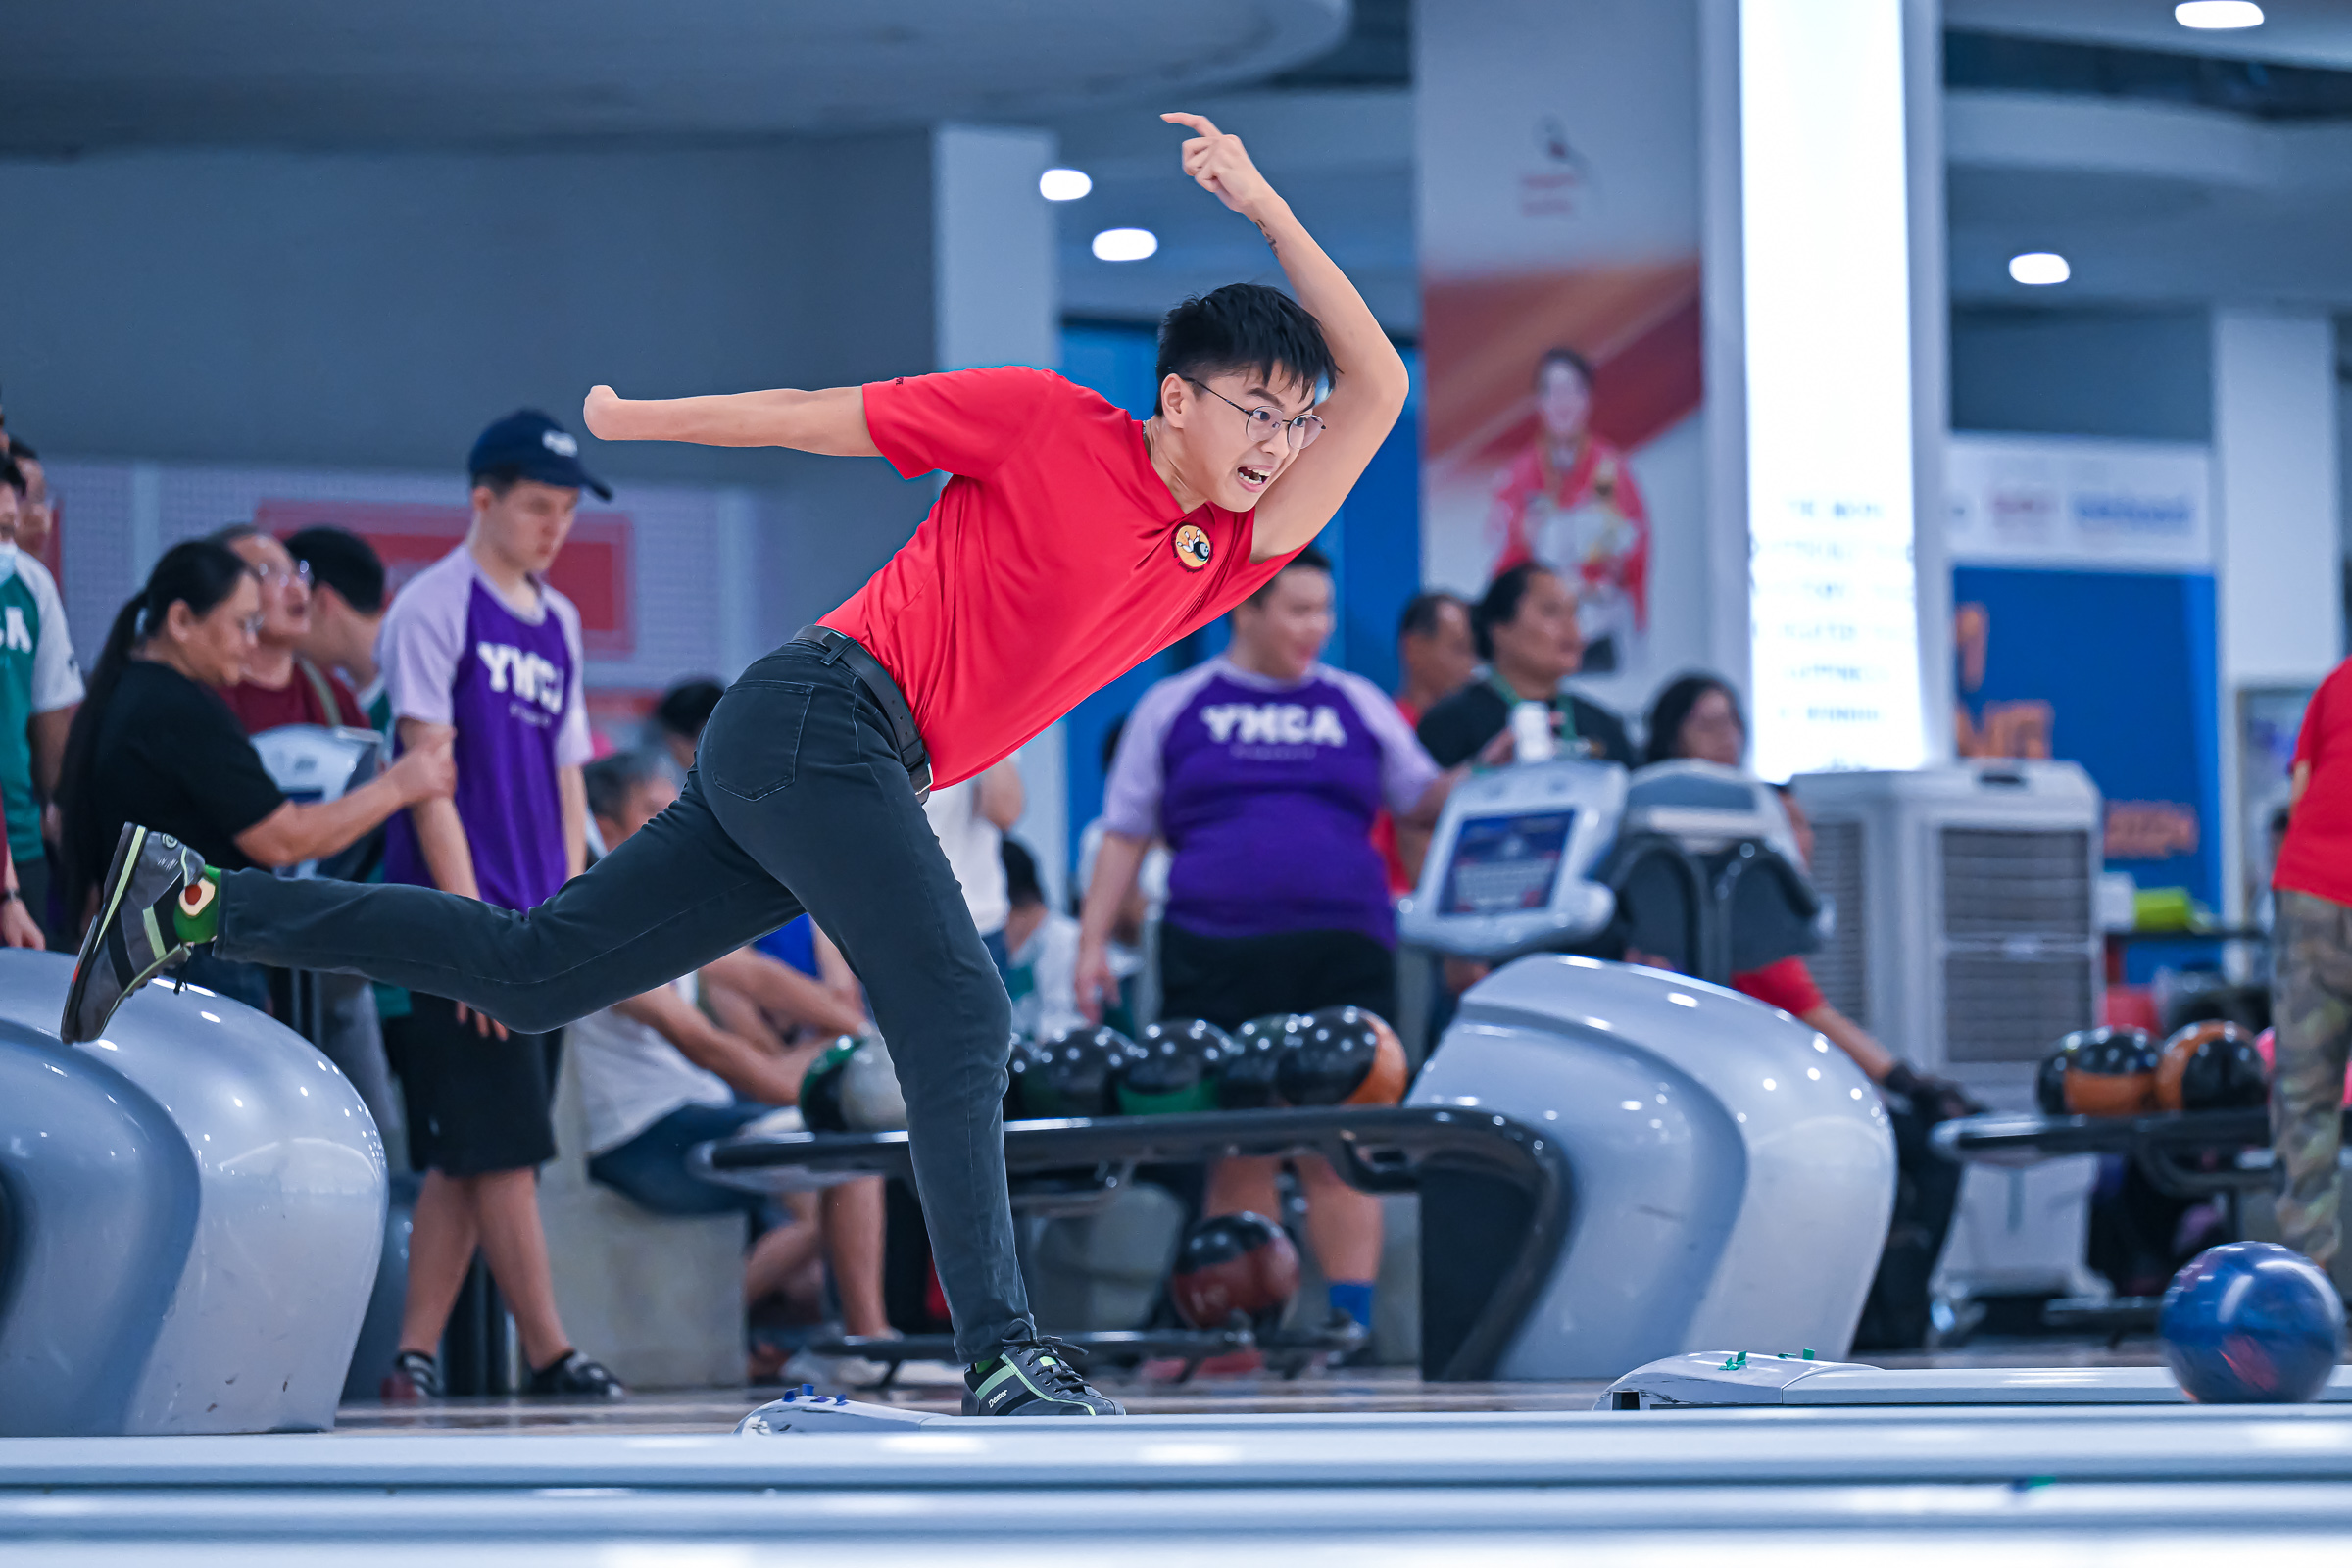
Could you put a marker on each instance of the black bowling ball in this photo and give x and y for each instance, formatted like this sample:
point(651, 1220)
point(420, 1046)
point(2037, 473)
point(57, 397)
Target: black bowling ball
point(2211, 1066)
point(1173, 1068)
point(1340, 1056)
point(1018, 1061)
point(2110, 1072)
point(1248, 1079)
point(2049, 1083)
point(1076, 1073)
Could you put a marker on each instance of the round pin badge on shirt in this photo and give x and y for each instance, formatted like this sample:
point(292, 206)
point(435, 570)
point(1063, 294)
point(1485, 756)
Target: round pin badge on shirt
point(1193, 546)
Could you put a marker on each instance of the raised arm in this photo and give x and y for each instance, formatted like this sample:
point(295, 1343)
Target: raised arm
point(1368, 395)
point(831, 421)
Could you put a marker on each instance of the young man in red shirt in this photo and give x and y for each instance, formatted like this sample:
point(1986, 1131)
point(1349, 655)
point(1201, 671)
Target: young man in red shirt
point(2310, 986)
point(1070, 544)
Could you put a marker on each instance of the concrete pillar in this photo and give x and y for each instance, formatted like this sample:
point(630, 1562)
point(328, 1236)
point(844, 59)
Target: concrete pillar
point(996, 300)
point(2280, 567)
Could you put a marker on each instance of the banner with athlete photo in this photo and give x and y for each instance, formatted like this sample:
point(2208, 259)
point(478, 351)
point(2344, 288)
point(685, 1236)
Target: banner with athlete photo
point(1559, 229)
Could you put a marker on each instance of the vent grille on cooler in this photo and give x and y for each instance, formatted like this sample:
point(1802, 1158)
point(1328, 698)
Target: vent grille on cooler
point(2007, 1008)
point(1842, 969)
point(2004, 882)
point(2020, 952)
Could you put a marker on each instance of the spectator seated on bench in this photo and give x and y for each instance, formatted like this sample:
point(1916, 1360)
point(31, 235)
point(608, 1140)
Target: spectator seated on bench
point(658, 1077)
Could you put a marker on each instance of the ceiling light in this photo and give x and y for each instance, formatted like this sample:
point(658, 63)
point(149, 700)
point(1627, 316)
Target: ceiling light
point(2039, 269)
point(1125, 244)
point(1064, 184)
point(2214, 14)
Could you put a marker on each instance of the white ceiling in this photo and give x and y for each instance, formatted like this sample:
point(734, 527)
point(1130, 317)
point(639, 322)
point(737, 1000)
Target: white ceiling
point(98, 74)
point(2312, 33)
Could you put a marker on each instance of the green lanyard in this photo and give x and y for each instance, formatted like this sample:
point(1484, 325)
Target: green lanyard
point(1558, 704)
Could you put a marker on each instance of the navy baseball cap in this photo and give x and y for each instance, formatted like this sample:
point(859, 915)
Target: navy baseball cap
point(537, 448)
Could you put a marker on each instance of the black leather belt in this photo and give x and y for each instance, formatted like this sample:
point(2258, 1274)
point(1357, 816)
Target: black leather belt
point(845, 650)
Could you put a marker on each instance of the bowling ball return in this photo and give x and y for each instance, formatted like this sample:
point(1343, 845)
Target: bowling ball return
point(2197, 1155)
point(1497, 1198)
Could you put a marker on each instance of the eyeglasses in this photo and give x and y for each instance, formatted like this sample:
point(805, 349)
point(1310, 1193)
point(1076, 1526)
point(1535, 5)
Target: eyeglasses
point(272, 576)
point(1300, 432)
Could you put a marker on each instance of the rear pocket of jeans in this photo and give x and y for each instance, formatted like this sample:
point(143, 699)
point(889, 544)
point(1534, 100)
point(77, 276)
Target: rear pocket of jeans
point(752, 746)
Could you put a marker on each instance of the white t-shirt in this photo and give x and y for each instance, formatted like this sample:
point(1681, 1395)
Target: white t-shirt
point(975, 851)
point(631, 1076)
point(1043, 980)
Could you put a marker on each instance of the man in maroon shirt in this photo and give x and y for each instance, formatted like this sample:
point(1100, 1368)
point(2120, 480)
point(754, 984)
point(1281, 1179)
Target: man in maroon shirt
point(1069, 544)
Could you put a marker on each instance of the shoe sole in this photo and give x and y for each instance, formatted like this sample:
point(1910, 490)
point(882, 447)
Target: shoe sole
point(127, 844)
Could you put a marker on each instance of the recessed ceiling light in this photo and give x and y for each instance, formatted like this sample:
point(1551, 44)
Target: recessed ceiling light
point(2217, 13)
point(1125, 244)
point(2039, 269)
point(1064, 184)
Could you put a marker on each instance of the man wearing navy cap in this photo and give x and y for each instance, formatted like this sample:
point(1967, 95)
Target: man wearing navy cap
point(479, 647)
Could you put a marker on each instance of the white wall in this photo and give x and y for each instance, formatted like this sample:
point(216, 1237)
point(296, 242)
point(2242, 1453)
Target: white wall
point(373, 312)
point(2280, 580)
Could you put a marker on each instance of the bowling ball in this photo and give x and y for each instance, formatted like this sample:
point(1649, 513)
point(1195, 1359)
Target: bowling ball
point(2211, 1066)
point(1340, 1056)
point(2110, 1072)
point(2251, 1323)
point(852, 1086)
point(1232, 1263)
point(1075, 1074)
point(1019, 1056)
point(1247, 1080)
point(1173, 1068)
point(2049, 1083)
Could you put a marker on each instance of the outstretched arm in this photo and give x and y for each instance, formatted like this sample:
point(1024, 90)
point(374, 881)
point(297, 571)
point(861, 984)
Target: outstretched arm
point(1369, 394)
point(831, 422)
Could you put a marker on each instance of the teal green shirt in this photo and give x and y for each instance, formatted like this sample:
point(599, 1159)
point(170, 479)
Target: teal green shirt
point(37, 675)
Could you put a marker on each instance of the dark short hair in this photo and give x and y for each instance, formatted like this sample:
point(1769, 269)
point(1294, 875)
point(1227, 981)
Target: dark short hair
point(1672, 710)
point(1421, 612)
point(1110, 741)
point(1310, 560)
point(686, 708)
point(22, 450)
point(1022, 889)
point(1245, 326)
point(1564, 354)
point(344, 562)
point(12, 476)
point(611, 780)
point(498, 481)
point(1499, 605)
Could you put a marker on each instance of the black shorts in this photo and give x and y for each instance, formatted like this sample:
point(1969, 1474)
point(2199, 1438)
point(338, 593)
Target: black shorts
point(1230, 980)
point(477, 1103)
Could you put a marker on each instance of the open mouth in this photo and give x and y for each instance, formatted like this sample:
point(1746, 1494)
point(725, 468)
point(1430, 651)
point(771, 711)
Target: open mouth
point(1254, 478)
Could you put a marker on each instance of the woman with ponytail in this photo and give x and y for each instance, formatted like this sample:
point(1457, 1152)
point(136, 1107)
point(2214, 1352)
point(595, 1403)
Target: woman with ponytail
point(155, 743)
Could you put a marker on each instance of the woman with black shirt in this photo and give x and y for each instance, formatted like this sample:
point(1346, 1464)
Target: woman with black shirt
point(155, 743)
point(1527, 632)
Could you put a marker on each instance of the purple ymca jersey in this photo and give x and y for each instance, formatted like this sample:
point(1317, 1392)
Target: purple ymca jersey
point(454, 653)
point(1265, 792)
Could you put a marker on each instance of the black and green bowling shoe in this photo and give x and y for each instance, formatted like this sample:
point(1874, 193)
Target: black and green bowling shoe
point(133, 939)
point(1033, 1378)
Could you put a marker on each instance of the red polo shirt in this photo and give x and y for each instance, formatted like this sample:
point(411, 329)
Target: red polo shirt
point(2316, 857)
point(1053, 561)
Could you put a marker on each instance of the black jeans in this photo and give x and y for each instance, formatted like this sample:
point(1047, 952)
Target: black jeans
point(798, 802)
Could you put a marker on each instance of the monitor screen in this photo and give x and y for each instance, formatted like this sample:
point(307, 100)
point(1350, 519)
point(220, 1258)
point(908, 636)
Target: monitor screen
point(1505, 863)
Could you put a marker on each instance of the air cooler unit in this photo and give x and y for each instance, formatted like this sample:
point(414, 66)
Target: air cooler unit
point(1965, 939)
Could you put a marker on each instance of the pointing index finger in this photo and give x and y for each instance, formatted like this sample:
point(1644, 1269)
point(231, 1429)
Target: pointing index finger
point(1199, 123)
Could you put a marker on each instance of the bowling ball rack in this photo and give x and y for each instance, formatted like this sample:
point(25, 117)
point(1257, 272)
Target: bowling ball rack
point(2183, 1154)
point(1496, 1196)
